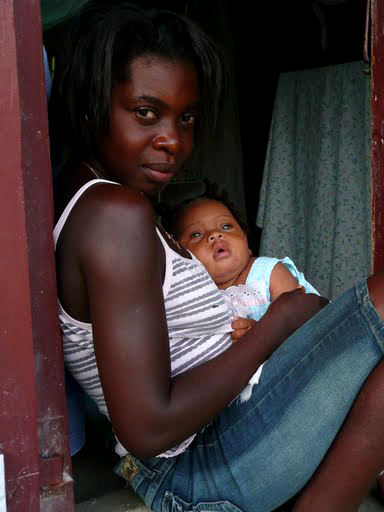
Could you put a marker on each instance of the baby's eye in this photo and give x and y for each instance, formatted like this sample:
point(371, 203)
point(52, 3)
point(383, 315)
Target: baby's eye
point(188, 118)
point(146, 113)
point(225, 227)
point(195, 234)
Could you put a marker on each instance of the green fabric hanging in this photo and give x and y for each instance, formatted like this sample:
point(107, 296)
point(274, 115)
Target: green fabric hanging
point(315, 197)
point(54, 12)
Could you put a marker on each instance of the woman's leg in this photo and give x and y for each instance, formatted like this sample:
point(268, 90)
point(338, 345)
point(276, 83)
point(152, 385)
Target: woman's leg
point(354, 459)
point(357, 453)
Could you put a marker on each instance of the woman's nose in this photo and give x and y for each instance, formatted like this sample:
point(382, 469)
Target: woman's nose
point(168, 140)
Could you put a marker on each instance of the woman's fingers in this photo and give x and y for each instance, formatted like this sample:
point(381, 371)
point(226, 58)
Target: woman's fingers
point(292, 309)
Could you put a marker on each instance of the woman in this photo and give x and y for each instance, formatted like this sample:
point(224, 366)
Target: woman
point(146, 332)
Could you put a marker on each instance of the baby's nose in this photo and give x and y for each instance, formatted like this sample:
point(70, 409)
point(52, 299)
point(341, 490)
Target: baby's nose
point(213, 236)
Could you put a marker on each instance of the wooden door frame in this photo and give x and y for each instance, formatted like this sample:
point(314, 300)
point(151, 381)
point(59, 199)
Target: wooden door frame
point(377, 132)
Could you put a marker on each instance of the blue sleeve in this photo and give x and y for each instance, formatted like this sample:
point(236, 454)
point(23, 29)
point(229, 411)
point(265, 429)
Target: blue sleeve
point(262, 269)
point(298, 275)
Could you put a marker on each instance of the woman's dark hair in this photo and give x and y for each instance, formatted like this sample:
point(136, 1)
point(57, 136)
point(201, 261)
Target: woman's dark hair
point(102, 42)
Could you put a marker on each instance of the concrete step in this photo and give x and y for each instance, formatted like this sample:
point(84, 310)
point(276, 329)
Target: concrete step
point(117, 501)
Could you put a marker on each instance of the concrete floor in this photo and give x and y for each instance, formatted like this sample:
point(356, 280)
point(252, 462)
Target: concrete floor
point(126, 501)
point(116, 501)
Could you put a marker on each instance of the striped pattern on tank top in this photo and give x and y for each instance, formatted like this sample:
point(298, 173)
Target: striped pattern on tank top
point(198, 321)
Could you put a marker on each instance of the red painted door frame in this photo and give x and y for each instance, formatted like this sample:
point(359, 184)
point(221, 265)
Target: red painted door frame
point(33, 434)
point(377, 133)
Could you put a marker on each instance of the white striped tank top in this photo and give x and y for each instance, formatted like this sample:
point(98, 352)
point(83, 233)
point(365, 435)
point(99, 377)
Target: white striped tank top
point(198, 321)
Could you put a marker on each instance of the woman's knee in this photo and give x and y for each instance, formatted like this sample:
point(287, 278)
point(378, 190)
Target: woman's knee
point(376, 291)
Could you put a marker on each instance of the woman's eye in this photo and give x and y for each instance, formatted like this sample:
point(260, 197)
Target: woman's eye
point(188, 119)
point(146, 113)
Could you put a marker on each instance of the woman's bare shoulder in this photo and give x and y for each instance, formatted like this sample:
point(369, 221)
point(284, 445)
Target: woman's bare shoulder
point(109, 197)
point(107, 210)
point(108, 224)
point(121, 218)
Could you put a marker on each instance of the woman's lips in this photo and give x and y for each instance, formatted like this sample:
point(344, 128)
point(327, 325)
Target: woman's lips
point(161, 172)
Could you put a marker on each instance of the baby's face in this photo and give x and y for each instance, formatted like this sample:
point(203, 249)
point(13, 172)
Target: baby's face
point(208, 229)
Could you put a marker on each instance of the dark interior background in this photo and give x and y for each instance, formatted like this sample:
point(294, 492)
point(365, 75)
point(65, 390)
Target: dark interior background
point(277, 37)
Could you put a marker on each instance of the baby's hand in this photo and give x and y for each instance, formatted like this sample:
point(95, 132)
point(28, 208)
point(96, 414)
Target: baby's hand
point(240, 326)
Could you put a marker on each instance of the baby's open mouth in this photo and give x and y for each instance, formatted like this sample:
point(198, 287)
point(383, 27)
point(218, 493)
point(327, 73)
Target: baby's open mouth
point(220, 250)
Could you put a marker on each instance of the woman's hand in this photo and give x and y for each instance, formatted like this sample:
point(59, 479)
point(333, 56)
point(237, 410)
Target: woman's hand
point(292, 309)
point(240, 326)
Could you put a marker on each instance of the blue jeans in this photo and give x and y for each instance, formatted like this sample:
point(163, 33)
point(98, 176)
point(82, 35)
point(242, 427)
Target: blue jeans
point(258, 454)
point(75, 413)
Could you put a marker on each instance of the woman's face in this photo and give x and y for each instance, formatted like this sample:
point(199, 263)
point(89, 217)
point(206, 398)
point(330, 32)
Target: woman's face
point(152, 123)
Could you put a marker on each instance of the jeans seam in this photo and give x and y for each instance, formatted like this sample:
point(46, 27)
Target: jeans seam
point(377, 331)
point(157, 480)
point(172, 498)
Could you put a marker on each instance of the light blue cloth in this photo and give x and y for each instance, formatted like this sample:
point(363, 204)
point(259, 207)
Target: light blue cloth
point(261, 271)
point(75, 398)
point(315, 195)
point(253, 299)
point(47, 76)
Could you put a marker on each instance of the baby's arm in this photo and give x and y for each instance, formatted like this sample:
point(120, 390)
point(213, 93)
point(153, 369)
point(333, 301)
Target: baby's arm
point(281, 281)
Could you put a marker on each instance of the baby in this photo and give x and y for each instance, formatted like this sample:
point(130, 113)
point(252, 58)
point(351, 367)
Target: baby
point(216, 237)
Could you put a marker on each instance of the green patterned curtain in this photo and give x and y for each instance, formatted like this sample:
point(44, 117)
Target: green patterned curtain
point(315, 196)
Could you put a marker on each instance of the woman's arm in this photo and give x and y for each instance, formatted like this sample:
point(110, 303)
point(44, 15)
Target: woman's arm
point(122, 262)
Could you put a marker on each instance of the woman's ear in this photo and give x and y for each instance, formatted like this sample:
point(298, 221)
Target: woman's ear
point(250, 252)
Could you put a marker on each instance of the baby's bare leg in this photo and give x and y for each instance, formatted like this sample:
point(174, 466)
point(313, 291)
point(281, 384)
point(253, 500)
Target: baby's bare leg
point(357, 453)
